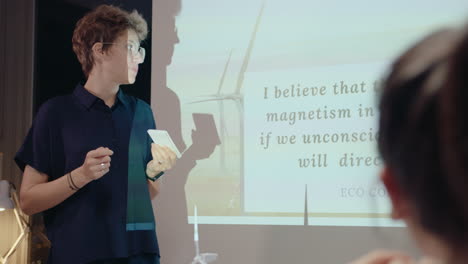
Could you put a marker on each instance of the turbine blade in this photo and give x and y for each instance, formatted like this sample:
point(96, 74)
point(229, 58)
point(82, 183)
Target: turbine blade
point(245, 63)
point(205, 100)
point(221, 81)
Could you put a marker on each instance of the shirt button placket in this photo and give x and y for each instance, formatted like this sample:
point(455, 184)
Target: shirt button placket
point(114, 140)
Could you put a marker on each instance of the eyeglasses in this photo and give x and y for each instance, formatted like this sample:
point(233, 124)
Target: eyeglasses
point(132, 49)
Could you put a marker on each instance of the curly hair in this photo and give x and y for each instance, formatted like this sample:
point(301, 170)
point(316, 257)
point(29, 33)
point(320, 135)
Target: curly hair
point(104, 24)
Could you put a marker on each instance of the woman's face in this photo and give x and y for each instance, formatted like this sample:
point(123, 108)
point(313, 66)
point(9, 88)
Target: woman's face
point(124, 57)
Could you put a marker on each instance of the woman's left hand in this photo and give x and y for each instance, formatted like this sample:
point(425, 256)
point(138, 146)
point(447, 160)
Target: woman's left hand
point(163, 159)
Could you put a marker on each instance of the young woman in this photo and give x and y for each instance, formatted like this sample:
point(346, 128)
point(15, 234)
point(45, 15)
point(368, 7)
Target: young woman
point(88, 162)
point(424, 143)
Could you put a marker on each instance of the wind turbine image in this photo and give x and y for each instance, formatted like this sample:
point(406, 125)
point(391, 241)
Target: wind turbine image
point(236, 96)
point(220, 99)
point(203, 258)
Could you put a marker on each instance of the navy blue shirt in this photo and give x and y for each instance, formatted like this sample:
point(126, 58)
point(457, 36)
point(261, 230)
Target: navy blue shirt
point(90, 224)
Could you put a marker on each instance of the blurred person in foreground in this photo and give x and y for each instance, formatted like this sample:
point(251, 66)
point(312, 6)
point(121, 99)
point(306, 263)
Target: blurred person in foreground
point(424, 144)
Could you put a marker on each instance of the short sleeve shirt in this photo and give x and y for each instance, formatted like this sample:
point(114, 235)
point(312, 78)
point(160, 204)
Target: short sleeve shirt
point(90, 224)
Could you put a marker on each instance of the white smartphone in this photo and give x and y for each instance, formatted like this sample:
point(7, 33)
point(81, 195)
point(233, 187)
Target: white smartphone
point(162, 137)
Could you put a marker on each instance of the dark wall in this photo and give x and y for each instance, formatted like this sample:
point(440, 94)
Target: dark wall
point(16, 60)
point(57, 70)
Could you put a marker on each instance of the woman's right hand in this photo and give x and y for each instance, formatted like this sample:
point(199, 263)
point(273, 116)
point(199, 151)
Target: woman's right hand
point(96, 165)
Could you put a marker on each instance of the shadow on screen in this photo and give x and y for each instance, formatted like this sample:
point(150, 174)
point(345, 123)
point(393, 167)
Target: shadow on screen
point(174, 232)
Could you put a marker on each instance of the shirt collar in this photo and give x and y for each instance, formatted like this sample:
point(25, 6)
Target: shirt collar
point(87, 99)
point(123, 98)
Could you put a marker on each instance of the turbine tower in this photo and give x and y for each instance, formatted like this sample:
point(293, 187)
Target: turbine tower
point(237, 97)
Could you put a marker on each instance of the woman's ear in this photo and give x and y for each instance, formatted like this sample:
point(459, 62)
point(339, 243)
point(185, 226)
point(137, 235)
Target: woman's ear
point(400, 204)
point(98, 52)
